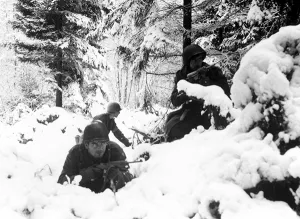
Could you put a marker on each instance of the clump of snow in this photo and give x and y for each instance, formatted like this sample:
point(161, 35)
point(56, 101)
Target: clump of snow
point(20, 112)
point(255, 14)
point(264, 75)
point(212, 95)
point(264, 67)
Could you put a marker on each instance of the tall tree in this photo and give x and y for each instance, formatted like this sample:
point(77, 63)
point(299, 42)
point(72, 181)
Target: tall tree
point(141, 35)
point(187, 22)
point(59, 34)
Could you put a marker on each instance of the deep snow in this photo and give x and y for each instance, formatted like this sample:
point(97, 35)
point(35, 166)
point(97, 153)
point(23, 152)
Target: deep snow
point(181, 178)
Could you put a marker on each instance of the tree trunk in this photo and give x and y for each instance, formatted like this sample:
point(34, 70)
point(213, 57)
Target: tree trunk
point(126, 86)
point(58, 91)
point(130, 88)
point(294, 13)
point(187, 22)
point(119, 84)
point(59, 61)
point(58, 78)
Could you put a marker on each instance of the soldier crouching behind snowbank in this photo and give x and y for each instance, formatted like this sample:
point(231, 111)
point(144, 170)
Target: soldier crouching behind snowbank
point(192, 112)
point(92, 161)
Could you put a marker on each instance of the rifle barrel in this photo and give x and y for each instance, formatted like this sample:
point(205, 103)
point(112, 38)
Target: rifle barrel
point(140, 132)
point(124, 161)
point(137, 161)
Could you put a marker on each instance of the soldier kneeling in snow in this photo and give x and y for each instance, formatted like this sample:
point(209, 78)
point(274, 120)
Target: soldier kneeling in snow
point(113, 111)
point(91, 160)
point(193, 113)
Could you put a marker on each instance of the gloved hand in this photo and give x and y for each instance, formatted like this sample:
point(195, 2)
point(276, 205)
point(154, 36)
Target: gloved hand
point(91, 173)
point(128, 144)
point(215, 73)
point(203, 71)
point(116, 178)
point(113, 173)
point(182, 97)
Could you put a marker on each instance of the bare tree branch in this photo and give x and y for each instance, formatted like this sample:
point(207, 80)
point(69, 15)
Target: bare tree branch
point(160, 74)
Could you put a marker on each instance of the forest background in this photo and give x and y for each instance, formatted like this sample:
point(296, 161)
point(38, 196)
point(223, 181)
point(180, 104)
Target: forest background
point(80, 53)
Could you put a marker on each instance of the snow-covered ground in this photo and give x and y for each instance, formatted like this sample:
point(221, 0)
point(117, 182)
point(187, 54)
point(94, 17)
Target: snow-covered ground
point(181, 178)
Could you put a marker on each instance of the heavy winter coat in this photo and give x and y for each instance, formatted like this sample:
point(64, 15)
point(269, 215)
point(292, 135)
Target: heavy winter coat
point(215, 77)
point(112, 126)
point(191, 114)
point(79, 159)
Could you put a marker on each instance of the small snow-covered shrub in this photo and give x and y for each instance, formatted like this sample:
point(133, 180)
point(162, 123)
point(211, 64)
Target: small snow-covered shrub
point(267, 86)
point(270, 82)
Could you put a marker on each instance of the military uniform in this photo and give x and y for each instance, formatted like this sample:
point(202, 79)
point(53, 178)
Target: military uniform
point(79, 160)
point(192, 112)
point(95, 176)
point(112, 126)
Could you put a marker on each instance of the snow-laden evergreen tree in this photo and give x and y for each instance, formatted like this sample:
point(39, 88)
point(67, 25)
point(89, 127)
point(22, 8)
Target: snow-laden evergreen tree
point(266, 88)
point(62, 34)
point(144, 43)
point(232, 27)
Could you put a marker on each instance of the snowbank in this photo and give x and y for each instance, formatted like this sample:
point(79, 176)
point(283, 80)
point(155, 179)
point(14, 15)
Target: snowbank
point(202, 175)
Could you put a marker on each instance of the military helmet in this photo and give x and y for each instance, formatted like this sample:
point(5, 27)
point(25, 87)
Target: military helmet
point(190, 51)
point(96, 130)
point(113, 107)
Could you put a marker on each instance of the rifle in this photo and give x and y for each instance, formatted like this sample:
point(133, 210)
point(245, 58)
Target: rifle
point(201, 74)
point(123, 166)
point(120, 164)
point(152, 139)
point(145, 135)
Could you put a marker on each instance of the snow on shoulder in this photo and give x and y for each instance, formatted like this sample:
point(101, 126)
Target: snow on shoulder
point(212, 95)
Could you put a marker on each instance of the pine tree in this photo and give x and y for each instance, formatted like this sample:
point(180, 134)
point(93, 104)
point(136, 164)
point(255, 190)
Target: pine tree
point(59, 33)
point(231, 29)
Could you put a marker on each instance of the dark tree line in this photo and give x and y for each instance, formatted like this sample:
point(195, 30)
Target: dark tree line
point(62, 32)
point(232, 34)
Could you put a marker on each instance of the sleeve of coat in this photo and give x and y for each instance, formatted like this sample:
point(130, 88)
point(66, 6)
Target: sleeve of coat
point(119, 135)
point(219, 79)
point(69, 168)
point(177, 100)
point(117, 153)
